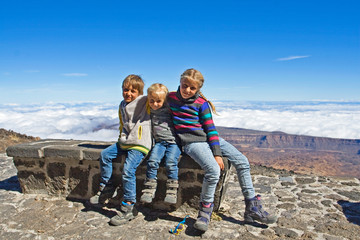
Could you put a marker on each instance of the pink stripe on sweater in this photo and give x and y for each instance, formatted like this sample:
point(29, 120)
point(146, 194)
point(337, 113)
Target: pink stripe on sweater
point(200, 100)
point(172, 95)
point(182, 114)
point(214, 138)
point(187, 126)
point(209, 122)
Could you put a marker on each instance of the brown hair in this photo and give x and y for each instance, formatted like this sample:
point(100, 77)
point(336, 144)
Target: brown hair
point(135, 81)
point(196, 76)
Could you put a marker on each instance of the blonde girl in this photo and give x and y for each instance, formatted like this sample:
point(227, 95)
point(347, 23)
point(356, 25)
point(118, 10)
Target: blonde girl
point(165, 145)
point(194, 126)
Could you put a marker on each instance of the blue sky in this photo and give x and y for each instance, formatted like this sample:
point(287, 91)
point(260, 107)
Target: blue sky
point(70, 51)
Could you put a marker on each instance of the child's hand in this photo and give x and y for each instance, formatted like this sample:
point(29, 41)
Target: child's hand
point(219, 160)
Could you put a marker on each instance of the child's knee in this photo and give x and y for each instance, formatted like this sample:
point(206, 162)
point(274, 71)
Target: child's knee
point(212, 171)
point(171, 164)
point(153, 164)
point(128, 172)
point(104, 157)
point(243, 165)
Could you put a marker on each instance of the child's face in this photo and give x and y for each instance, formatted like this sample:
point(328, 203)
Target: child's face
point(156, 101)
point(188, 88)
point(130, 93)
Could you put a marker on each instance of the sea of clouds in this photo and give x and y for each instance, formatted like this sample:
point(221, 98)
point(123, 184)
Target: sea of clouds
point(99, 121)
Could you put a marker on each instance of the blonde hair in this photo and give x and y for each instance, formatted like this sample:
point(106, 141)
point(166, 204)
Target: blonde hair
point(158, 89)
point(135, 81)
point(196, 76)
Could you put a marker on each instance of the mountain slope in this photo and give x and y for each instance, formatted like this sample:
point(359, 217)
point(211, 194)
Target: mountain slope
point(9, 137)
point(302, 154)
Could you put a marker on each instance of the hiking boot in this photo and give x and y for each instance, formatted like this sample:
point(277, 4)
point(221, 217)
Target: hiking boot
point(204, 216)
point(255, 212)
point(105, 193)
point(148, 191)
point(127, 213)
point(172, 186)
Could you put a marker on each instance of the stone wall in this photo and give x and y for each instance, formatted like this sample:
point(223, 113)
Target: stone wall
point(70, 169)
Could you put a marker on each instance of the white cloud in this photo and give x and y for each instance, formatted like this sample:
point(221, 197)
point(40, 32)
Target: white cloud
point(75, 74)
point(324, 119)
point(99, 121)
point(86, 121)
point(291, 58)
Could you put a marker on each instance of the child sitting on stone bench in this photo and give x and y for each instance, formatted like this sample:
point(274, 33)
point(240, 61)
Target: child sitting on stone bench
point(135, 141)
point(165, 145)
point(194, 126)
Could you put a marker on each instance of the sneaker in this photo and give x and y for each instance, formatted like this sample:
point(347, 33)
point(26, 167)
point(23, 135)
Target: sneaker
point(148, 193)
point(127, 213)
point(204, 216)
point(255, 212)
point(172, 186)
point(105, 193)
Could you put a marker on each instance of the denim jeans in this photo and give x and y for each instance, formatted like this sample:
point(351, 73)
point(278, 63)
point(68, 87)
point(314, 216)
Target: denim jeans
point(132, 161)
point(202, 154)
point(171, 152)
point(242, 166)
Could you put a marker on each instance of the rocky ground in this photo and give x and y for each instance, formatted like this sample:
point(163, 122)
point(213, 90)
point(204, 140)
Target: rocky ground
point(308, 207)
point(9, 137)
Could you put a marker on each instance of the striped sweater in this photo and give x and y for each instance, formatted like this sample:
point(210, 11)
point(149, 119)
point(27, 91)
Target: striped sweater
point(193, 121)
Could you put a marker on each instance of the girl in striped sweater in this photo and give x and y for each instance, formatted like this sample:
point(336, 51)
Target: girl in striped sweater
point(195, 128)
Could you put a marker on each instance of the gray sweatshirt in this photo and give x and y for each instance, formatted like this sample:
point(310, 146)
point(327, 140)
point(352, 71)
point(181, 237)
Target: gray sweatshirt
point(135, 125)
point(162, 125)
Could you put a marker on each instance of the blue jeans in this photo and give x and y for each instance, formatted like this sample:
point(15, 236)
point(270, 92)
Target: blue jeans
point(132, 161)
point(171, 152)
point(242, 166)
point(202, 154)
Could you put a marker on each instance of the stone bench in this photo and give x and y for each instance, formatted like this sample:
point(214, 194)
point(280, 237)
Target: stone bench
point(70, 168)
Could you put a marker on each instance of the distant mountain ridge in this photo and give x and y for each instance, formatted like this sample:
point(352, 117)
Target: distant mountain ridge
point(278, 139)
point(299, 153)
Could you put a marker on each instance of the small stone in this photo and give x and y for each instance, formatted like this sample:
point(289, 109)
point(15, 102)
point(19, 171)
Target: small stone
point(350, 184)
point(305, 180)
point(294, 223)
point(308, 205)
point(268, 233)
point(281, 194)
point(262, 189)
point(308, 235)
point(287, 199)
point(286, 206)
point(327, 203)
point(322, 179)
point(328, 237)
point(283, 232)
point(334, 197)
point(287, 184)
point(308, 191)
point(266, 180)
point(288, 179)
point(353, 195)
point(335, 216)
point(289, 213)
